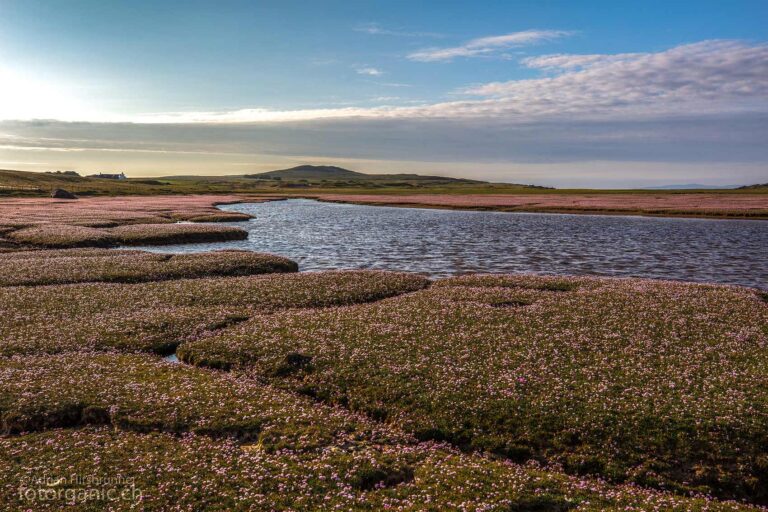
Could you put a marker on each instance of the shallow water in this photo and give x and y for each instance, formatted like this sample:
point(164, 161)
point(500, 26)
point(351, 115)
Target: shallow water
point(446, 242)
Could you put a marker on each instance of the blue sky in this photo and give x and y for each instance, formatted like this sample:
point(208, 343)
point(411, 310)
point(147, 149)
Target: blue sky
point(561, 93)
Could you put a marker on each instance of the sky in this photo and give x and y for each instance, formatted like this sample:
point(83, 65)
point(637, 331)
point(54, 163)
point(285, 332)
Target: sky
point(558, 93)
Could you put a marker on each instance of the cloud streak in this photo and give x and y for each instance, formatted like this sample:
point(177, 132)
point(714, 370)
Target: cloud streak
point(695, 109)
point(375, 29)
point(486, 46)
point(370, 71)
point(710, 76)
point(704, 78)
point(724, 149)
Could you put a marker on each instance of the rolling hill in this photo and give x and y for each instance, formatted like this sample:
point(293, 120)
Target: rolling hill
point(757, 187)
point(310, 172)
point(15, 183)
point(301, 180)
point(333, 173)
point(692, 186)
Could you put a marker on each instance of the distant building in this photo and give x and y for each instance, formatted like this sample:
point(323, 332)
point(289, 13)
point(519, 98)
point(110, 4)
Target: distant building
point(120, 176)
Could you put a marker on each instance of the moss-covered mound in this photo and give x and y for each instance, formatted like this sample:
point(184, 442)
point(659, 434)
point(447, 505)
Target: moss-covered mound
point(166, 234)
point(65, 236)
point(158, 316)
point(142, 393)
point(159, 472)
point(220, 216)
point(34, 268)
point(60, 236)
point(657, 383)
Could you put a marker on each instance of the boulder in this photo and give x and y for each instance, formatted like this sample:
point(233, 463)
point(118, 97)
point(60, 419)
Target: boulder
point(60, 193)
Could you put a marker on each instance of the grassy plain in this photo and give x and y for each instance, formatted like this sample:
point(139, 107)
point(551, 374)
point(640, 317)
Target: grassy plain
point(337, 386)
point(414, 191)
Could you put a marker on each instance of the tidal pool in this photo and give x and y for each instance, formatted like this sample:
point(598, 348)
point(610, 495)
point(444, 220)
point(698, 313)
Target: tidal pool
point(439, 243)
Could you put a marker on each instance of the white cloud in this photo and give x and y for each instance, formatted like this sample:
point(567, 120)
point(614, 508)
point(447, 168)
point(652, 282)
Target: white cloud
point(370, 71)
point(710, 76)
point(393, 84)
point(377, 30)
point(488, 45)
point(248, 115)
point(717, 149)
point(567, 62)
point(680, 113)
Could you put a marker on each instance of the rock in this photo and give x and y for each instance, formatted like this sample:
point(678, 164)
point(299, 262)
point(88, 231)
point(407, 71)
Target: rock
point(60, 193)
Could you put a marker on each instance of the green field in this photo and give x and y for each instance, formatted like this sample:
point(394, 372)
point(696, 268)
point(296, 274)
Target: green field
point(358, 390)
point(28, 184)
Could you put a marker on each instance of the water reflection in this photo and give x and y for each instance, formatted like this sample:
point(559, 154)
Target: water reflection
point(443, 242)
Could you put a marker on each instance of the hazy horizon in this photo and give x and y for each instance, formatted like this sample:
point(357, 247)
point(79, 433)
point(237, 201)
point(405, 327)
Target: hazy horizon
point(559, 94)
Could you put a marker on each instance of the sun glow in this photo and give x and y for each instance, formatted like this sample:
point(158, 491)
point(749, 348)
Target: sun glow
point(24, 95)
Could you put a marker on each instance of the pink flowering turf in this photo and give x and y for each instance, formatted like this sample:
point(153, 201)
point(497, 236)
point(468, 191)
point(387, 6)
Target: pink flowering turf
point(710, 205)
point(55, 236)
point(116, 210)
point(194, 472)
point(657, 383)
point(35, 268)
point(367, 390)
point(63, 236)
point(142, 393)
point(107, 222)
point(157, 316)
point(166, 234)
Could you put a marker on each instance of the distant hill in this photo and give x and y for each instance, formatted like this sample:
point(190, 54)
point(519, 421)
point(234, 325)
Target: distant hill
point(24, 183)
point(310, 172)
point(304, 177)
point(755, 186)
point(37, 181)
point(692, 186)
point(331, 172)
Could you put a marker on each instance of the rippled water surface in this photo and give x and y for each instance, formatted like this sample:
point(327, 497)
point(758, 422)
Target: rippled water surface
point(445, 242)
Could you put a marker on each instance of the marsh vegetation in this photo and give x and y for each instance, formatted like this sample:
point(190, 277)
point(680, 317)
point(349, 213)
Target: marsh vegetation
point(370, 390)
